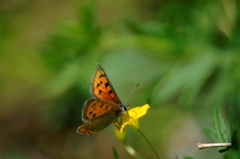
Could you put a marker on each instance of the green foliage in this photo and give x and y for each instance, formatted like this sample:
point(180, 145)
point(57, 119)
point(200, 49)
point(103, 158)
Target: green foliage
point(220, 132)
point(72, 40)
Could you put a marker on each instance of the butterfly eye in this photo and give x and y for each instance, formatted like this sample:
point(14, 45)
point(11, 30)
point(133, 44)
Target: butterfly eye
point(124, 107)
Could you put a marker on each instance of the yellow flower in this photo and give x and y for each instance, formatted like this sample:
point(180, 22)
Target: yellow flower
point(131, 117)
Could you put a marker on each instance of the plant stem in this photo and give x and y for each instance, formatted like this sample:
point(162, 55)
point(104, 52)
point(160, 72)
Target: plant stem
point(154, 150)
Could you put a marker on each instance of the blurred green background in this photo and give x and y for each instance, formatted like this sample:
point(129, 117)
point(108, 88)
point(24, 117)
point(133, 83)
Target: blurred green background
point(184, 53)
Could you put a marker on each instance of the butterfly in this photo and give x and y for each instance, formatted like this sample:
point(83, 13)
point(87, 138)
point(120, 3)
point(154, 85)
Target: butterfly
point(104, 108)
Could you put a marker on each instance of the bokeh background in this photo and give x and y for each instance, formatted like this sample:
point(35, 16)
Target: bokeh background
point(184, 53)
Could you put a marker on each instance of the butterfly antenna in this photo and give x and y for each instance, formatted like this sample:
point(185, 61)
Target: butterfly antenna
point(131, 92)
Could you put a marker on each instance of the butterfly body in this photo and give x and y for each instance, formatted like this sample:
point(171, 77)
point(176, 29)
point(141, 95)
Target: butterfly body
point(104, 108)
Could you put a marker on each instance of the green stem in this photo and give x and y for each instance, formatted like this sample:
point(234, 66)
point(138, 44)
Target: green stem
point(154, 150)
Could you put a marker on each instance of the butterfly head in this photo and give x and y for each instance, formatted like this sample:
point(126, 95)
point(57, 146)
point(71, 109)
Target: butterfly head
point(124, 107)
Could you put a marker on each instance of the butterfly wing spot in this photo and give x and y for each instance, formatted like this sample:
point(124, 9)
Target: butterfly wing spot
point(109, 92)
point(102, 75)
point(93, 105)
point(106, 84)
point(98, 84)
point(91, 113)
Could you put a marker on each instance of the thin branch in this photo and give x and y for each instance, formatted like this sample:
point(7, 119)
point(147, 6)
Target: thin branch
point(210, 145)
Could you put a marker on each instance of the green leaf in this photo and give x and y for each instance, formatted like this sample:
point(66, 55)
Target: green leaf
point(220, 132)
point(115, 153)
point(211, 134)
point(220, 127)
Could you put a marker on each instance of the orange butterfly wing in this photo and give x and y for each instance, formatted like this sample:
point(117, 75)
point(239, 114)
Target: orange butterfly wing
point(102, 88)
point(97, 115)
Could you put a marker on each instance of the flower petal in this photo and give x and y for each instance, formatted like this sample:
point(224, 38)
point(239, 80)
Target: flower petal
point(131, 117)
point(139, 111)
